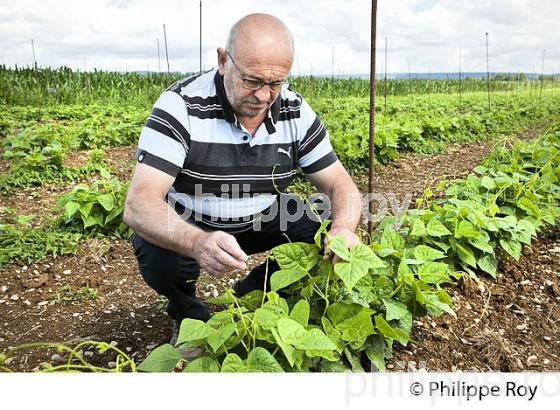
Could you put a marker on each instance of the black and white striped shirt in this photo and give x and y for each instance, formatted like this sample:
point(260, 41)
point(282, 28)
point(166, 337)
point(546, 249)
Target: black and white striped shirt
point(224, 174)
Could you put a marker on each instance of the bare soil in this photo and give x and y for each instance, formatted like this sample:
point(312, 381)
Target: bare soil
point(98, 294)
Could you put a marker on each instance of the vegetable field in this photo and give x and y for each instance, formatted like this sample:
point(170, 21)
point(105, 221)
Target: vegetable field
point(466, 277)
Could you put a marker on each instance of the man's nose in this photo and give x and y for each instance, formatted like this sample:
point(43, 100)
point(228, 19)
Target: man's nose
point(263, 94)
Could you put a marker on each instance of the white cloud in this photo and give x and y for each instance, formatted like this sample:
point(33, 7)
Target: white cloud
point(429, 34)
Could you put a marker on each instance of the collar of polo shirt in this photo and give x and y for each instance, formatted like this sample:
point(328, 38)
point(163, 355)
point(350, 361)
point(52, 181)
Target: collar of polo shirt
point(229, 115)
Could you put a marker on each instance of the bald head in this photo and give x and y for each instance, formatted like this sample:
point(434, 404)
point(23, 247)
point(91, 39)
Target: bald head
point(258, 36)
point(259, 49)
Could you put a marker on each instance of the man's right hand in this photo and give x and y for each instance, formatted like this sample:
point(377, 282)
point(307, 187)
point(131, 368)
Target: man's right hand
point(218, 252)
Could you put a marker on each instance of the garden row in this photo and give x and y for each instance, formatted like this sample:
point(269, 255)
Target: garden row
point(323, 318)
point(45, 86)
point(38, 140)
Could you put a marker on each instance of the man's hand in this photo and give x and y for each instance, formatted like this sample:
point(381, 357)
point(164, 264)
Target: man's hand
point(218, 252)
point(349, 236)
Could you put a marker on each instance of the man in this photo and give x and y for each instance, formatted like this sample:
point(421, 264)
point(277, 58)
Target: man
point(235, 126)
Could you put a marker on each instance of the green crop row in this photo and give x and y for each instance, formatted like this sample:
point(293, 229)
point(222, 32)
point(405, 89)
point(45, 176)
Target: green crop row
point(427, 125)
point(46, 86)
point(323, 318)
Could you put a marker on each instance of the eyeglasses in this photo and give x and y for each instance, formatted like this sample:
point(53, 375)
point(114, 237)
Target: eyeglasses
point(253, 84)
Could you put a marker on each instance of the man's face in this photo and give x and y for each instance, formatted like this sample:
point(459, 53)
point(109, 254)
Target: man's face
point(246, 102)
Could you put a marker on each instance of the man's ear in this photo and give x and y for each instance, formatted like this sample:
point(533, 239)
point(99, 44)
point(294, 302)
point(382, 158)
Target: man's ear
point(222, 59)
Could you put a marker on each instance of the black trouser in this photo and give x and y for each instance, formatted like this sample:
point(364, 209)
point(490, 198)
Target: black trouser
point(174, 275)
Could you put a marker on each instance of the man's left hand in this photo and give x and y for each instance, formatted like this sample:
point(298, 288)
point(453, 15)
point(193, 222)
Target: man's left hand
point(349, 236)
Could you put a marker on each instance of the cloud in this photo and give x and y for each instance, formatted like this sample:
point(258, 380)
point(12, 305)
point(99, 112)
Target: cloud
point(425, 34)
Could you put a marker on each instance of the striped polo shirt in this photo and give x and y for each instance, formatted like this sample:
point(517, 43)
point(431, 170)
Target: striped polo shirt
point(223, 175)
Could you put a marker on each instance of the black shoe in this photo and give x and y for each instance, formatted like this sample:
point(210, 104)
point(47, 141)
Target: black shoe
point(175, 332)
point(187, 353)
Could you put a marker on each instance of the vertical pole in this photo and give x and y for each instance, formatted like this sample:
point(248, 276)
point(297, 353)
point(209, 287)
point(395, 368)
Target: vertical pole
point(542, 77)
point(429, 88)
point(332, 63)
point(200, 38)
point(460, 83)
point(34, 59)
point(409, 82)
point(372, 111)
point(85, 66)
point(385, 80)
point(487, 72)
point(531, 81)
point(158, 57)
point(509, 79)
point(166, 53)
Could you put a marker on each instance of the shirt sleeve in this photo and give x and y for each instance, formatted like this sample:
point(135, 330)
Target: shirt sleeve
point(164, 140)
point(315, 151)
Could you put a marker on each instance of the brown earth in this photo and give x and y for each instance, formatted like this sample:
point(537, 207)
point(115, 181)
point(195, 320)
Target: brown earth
point(508, 324)
point(99, 295)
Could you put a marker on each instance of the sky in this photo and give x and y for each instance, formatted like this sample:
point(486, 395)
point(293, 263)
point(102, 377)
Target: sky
point(422, 35)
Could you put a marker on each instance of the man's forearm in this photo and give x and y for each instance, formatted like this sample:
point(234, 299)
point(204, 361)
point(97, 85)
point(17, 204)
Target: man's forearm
point(155, 221)
point(346, 205)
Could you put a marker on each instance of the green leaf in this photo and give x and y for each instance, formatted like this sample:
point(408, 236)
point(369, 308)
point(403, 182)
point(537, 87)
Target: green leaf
point(391, 239)
point(489, 264)
point(418, 228)
point(218, 338)
point(70, 208)
point(350, 272)
point(365, 255)
point(285, 277)
point(318, 235)
point(296, 256)
point(300, 312)
point(204, 364)
point(433, 272)
point(115, 213)
point(354, 361)
point(289, 352)
point(339, 312)
point(269, 314)
point(107, 201)
point(193, 329)
point(427, 253)
point(291, 331)
point(435, 306)
point(465, 254)
point(232, 364)
point(162, 359)
point(315, 340)
point(394, 310)
point(482, 244)
point(376, 350)
point(358, 327)
point(361, 260)
point(260, 360)
point(388, 331)
point(524, 231)
point(85, 209)
point(466, 229)
point(94, 218)
point(338, 246)
point(512, 247)
point(436, 228)
point(488, 183)
point(528, 206)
